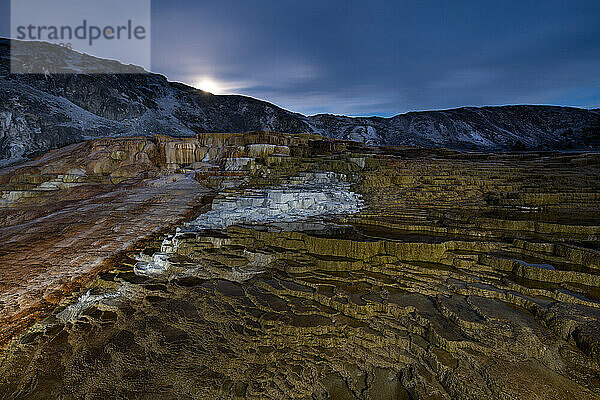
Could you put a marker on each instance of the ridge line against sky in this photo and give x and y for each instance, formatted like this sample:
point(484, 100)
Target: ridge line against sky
point(381, 58)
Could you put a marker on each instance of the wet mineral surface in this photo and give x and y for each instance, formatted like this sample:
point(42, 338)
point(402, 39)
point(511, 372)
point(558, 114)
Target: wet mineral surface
point(342, 272)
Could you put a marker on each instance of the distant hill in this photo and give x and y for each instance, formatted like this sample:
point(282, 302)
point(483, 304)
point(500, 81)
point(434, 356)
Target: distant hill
point(40, 112)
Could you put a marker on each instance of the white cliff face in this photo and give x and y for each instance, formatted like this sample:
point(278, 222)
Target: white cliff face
point(155, 265)
point(264, 150)
point(239, 164)
point(303, 197)
point(85, 301)
point(299, 199)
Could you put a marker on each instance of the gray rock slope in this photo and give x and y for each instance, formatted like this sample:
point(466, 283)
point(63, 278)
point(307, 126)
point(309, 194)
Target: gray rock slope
point(40, 112)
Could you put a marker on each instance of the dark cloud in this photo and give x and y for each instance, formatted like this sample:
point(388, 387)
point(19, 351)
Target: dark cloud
point(384, 57)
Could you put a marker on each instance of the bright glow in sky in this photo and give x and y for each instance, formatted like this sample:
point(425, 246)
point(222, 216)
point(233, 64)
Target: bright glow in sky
point(208, 85)
point(382, 57)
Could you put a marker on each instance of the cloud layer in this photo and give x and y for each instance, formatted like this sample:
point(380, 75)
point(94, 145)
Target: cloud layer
point(383, 57)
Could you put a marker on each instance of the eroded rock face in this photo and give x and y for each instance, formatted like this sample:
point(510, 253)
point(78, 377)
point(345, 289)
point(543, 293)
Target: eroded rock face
point(308, 196)
point(461, 276)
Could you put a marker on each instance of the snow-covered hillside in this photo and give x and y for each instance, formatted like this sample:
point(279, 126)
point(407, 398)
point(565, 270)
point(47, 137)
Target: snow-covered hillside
point(40, 112)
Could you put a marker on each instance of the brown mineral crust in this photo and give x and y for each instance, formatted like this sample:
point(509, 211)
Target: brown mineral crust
point(53, 242)
point(67, 214)
point(13, 325)
point(69, 248)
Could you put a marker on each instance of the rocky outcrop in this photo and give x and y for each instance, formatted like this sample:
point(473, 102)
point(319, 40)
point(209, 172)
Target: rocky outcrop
point(116, 159)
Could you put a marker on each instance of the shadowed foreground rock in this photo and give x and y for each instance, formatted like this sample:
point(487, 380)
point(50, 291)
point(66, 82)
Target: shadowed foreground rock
point(461, 276)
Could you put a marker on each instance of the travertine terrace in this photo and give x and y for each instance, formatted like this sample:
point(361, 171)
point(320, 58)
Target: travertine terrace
point(415, 273)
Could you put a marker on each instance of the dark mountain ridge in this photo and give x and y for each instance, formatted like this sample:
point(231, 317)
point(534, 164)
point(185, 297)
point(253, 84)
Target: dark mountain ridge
point(43, 111)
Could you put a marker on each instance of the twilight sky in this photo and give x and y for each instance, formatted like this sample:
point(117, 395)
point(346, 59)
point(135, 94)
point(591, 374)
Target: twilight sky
point(381, 57)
